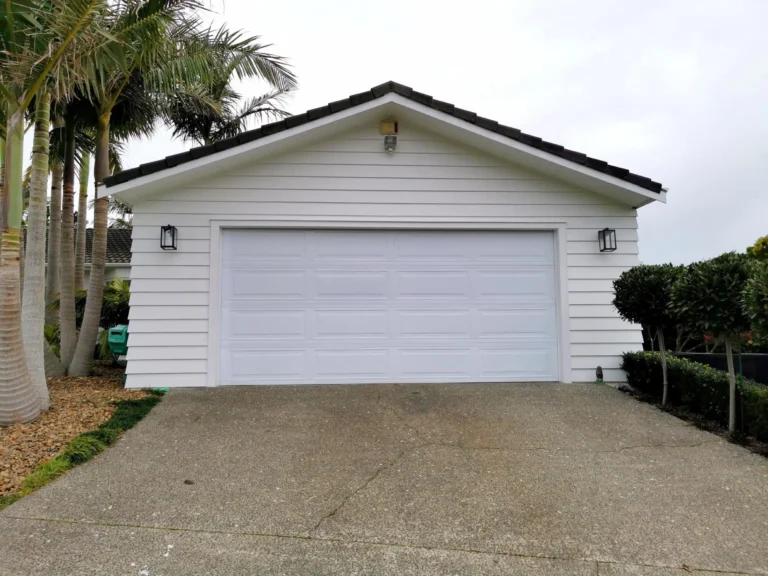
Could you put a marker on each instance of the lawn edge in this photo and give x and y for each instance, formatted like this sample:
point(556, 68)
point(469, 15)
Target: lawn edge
point(84, 447)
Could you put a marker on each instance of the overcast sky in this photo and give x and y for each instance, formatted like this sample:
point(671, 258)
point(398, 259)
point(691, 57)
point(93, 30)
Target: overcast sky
point(676, 90)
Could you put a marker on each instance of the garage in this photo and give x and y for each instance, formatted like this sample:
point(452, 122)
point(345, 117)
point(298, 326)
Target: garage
point(365, 306)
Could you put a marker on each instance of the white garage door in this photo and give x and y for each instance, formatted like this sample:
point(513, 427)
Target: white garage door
point(322, 306)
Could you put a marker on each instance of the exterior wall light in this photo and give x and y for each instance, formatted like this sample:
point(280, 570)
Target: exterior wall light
point(390, 143)
point(389, 128)
point(168, 237)
point(606, 238)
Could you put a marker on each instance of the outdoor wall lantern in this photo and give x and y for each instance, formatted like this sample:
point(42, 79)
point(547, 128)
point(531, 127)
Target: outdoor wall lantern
point(168, 237)
point(390, 143)
point(607, 240)
point(388, 129)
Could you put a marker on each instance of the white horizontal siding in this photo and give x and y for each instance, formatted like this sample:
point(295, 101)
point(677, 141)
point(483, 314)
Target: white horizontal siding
point(166, 339)
point(351, 179)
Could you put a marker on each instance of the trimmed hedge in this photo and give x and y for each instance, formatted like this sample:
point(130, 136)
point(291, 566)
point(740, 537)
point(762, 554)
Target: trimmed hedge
point(699, 388)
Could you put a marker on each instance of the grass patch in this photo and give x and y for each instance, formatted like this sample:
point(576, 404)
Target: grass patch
point(126, 415)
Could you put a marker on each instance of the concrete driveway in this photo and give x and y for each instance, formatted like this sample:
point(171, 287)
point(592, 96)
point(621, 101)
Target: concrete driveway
point(525, 479)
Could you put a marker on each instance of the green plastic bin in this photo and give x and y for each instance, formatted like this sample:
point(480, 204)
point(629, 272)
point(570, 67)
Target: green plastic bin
point(117, 340)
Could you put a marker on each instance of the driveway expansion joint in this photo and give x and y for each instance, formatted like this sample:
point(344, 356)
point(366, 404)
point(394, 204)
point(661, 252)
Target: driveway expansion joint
point(383, 544)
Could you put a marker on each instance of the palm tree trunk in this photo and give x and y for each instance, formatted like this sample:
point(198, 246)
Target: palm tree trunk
point(18, 399)
point(33, 302)
point(52, 285)
point(67, 298)
point(2, 174)
point(89, 330)
point(82, 222)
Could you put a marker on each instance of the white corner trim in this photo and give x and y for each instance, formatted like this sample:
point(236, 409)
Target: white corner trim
point(559, 229)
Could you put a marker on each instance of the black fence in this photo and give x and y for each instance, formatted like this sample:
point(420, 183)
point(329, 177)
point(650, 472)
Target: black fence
point(752, 366)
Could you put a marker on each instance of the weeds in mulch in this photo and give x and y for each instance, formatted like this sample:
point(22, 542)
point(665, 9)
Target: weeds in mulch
point(126, 415)
point(702, 423)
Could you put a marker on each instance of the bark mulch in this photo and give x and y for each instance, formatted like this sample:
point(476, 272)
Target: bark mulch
point(77, 405)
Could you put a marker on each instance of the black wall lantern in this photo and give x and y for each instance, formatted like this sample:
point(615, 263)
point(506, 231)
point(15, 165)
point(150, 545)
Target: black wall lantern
point(168, 237)
point(607, 240)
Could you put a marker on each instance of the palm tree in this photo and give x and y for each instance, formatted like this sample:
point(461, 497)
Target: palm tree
point(67, 325)
point(163, 47)
point(203, 127)
point(82, 221)
point(34, 39)
point(132, 117)
point(33, 310)
point(53, 278)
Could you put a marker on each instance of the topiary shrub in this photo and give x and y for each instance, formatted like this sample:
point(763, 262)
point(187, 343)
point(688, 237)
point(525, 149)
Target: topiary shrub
point(642, 296)
point(755, 298)
point(700, 389)
point(707, 298)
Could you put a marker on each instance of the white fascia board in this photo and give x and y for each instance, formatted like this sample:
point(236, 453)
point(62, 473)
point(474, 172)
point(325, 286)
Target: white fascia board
point(136, 190)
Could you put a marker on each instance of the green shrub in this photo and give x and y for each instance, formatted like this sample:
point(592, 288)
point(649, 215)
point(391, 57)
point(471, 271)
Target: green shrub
point(699, 388)
point(83, 448)
point(755, 401)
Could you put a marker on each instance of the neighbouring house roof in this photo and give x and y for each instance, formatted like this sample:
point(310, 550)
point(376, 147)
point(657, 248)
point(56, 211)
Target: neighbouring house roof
point(367, 96)
point(118, 245)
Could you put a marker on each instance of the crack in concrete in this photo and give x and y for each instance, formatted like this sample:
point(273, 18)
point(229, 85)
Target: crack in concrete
point(378, 471)
point(363, 486)
point(385, 544)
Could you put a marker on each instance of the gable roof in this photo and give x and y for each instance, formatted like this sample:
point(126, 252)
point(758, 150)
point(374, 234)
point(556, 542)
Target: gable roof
point(367, 96)
point(118, 245)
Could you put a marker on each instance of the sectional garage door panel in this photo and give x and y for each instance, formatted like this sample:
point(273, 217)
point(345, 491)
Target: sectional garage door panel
point(321, 306)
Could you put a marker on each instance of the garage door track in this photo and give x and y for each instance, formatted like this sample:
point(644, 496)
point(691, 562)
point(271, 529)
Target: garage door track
point(522, 479)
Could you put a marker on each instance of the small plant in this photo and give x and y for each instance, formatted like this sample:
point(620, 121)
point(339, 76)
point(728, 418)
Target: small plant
point(707, 298)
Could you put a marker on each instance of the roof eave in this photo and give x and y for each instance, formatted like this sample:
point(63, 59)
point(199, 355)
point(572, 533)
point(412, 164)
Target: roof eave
point(136, 189)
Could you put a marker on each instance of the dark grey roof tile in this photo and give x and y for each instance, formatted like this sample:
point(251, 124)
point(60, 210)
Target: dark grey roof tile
point(152, 167)
point(340, 105)
point(487, 123)
point(317, 113)
point(226, 144)
point(441, 106)
point(273, 128)
point(465, 115)
point(175, 160)
point(250, 136)
point(201, 151)
point(361, 98)
point(508, 131)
